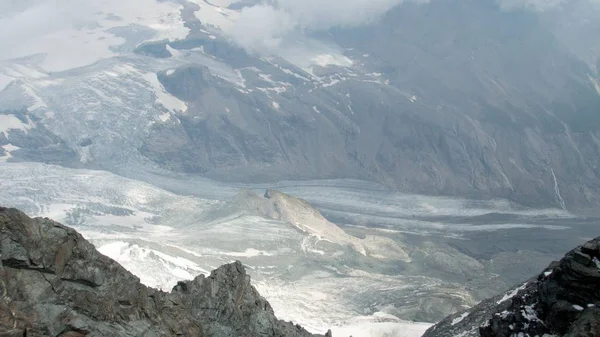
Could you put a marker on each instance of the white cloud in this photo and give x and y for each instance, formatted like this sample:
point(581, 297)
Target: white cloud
point(25, 23)
point(538, 5)
point(267, 24)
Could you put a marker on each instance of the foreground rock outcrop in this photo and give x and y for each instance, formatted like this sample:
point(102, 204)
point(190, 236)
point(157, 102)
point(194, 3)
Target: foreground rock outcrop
point(54, 283)
point(564, 300)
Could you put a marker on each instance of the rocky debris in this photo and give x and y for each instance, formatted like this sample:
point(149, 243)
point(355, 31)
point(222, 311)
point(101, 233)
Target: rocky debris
point(304, 216)
point(54, 283)
point(564, 300)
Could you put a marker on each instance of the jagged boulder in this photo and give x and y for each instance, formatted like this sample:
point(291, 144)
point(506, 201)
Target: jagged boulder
point(564, 300)
point(54, 283)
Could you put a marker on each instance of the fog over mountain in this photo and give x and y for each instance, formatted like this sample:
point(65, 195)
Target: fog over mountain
point(417, 156)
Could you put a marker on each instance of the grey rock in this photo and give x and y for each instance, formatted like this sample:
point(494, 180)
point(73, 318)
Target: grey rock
point(562, 301)
point(37, 144)
point(54, 282)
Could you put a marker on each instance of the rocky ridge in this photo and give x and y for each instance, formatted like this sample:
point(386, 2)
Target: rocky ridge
point(564, 300)
point(304, 216)
point(55, 283)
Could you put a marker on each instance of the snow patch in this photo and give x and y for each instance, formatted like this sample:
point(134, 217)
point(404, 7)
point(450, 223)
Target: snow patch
point(511, 293)
point(164, 117)
point(597, 262)
point(10, 122)
point(266, 78)
point(577, 307)
point(163, 98)
point(250, 252)
point(38, 102)
point(154, 268)
point(213, 15)
point(596, 84)
point(548, 273)
point(459, 319)
point(174, 52)
point(315, 109)
point(529, 313)
point(275, 105)
point(8, 149)
point(5, 81)
point(170, 72)
point(332, 83)
point(325, 60)
point(381, 329)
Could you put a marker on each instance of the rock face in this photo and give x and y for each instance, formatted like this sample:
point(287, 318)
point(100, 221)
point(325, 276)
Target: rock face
point(54, 283)
point(562, 301)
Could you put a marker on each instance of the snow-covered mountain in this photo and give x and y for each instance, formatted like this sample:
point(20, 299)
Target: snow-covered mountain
point(155, 127)
point(495, 106)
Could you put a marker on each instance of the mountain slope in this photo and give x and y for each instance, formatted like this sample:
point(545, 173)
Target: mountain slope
point(562, 301)
point(464, 99)
point(53, 282)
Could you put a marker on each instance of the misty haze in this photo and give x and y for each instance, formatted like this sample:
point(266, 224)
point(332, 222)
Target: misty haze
point(365, 168)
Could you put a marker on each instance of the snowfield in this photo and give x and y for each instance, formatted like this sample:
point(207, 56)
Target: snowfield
point(163, 237)
point(95, 29)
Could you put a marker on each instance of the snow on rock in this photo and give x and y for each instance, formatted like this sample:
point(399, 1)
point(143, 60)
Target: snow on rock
point(155, 269)
point(5, 81)
point(164, 117)
point(577, 307)
point(325, 60)
point(250, 252)
point(511, 293)
point(11, 71)
point(8, 149)
point(529, 313)
point(174, 52)
point(597, 262)
point(596, 84)
point(213, 14)
point(460, 318)
point(548, 273)
point(163, 98)
point(10, 122)
point(381, 329)
point(37, 101)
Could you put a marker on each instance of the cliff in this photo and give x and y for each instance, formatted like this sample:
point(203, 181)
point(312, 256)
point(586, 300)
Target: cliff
point(55, 283)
